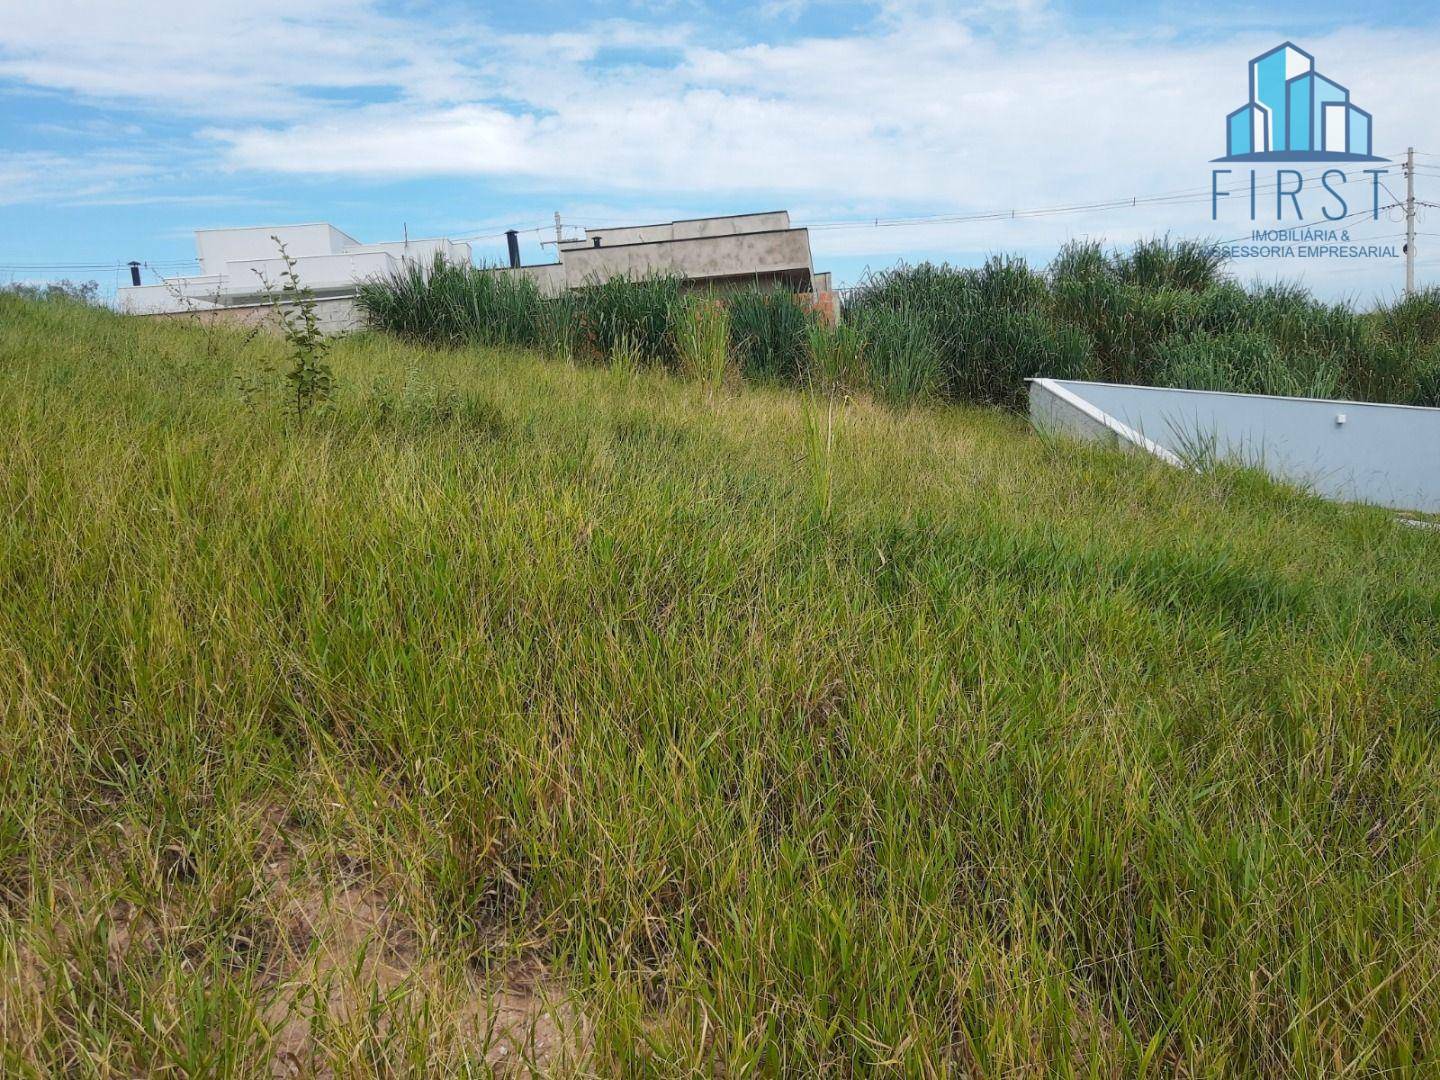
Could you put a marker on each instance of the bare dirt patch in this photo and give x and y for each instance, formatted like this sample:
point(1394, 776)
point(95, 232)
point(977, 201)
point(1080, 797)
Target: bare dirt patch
point(336, 966)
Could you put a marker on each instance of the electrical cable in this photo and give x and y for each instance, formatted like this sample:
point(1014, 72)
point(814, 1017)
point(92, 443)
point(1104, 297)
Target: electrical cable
point(1193, 195)
point(1177, 197)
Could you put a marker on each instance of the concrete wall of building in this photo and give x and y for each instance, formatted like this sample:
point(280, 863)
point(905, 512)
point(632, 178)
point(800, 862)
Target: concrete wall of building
point(242, 280)
point(721, 256)
point(422, 252)
point(1346, 450)
point(183, 295)
point(217, 247)
point(695, 228)
point(337, 315)
point(688, 229)
point(550, 277)
point(630, 234)
point(246, 279)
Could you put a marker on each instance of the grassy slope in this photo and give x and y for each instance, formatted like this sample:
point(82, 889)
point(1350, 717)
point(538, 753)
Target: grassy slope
point(1023, 755)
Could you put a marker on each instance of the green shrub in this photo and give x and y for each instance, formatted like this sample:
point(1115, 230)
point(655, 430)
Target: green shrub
point(1404, 350)
point(310, 381)
point(558, 327)
point(1413, 319)
point(62, 291)
point(626, 353)
point(1079, 260)
point(990, 327)
point(1160, 263)
point(1004, 348)
point(1160, 312)
point(1426, 390)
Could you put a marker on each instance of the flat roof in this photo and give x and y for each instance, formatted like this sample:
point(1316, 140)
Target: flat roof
point(687, 220)
point(412, 240)
point(683, 239)
point(291, 225)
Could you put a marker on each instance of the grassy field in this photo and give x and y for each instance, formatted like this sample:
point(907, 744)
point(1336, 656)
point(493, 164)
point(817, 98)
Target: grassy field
point(522, 715)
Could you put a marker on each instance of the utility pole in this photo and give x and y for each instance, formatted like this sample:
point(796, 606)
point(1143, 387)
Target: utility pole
point(559, 236)
point(1410, 222)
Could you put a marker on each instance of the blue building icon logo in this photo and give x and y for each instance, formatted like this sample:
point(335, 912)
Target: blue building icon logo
point(1296, 114)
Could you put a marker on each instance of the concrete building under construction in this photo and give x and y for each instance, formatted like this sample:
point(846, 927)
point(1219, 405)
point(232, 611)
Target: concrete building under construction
point(723, 252)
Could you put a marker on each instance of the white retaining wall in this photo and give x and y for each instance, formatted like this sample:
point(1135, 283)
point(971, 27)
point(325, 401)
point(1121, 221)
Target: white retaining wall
point(1348, 450)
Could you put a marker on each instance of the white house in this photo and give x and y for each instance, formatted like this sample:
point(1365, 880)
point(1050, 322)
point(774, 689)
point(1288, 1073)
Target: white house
point(236, 263)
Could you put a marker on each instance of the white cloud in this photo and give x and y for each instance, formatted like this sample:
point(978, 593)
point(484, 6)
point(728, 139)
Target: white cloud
point(930, 107)
point(42, 176)
point(258, 59)
point(925, 112)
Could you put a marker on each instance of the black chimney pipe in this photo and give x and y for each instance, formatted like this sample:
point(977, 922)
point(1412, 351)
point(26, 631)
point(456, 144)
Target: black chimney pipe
point(512, 241)
point(134, 273)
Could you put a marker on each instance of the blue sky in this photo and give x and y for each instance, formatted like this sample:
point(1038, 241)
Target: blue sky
point(123, 127)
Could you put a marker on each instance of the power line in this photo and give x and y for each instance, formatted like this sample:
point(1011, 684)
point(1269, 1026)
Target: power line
point(1327, 224)
point(501, 235)
point(84, 267)
point(1180, 197)
point(1176, 197)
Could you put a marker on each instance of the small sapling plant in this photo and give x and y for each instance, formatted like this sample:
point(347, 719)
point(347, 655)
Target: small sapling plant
point(311, 383)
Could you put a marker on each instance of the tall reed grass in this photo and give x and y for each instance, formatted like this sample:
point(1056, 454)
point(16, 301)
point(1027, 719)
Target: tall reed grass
point(454, 305)
point(1162, 312)
point(770, 330)
point(836, 356)
point(701, 327)
point(902, 355)
point(629, 314)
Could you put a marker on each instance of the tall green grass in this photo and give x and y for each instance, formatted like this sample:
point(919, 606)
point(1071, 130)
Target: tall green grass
point(1162, 313)
point(701, 328)
point(652, 318)
point(902, 355)
point(836, 356)
point(453, 305)
point(925, 750)
point(620, 314)
point(770, 330)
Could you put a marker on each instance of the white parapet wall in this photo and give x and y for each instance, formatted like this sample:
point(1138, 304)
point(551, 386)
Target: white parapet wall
point(1353, 451)
point(335, 314)
point(237, 264)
